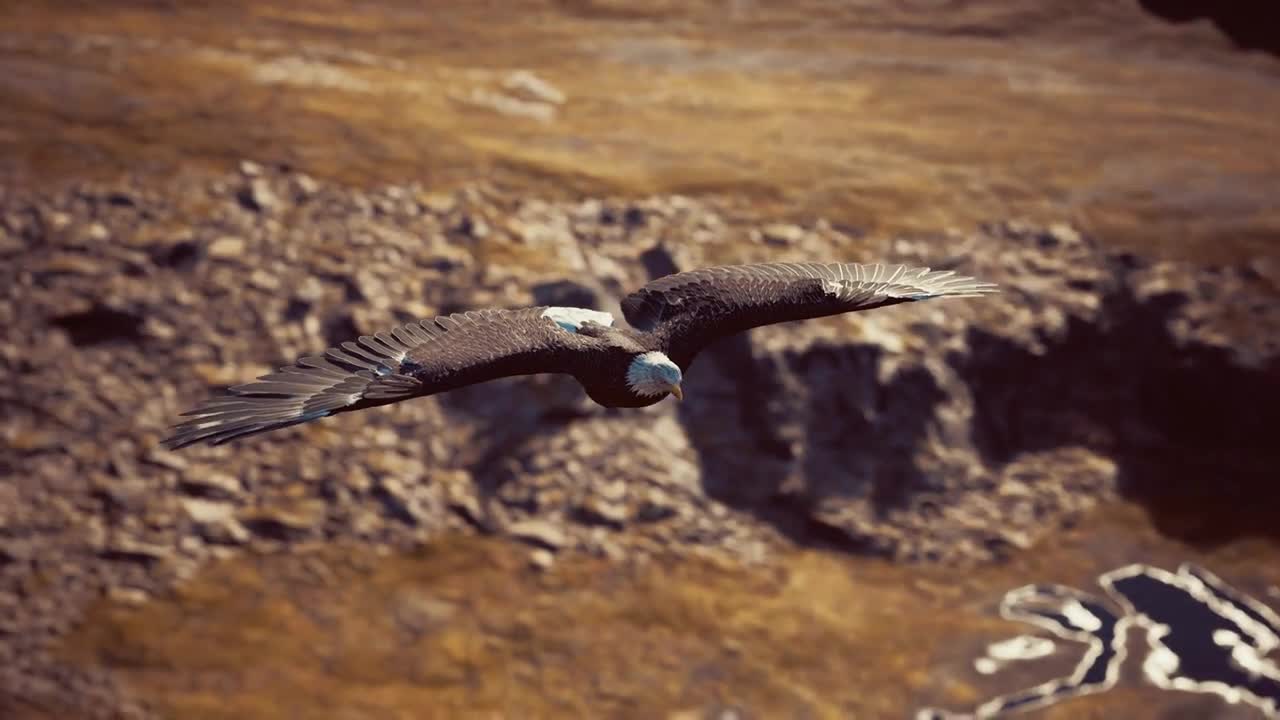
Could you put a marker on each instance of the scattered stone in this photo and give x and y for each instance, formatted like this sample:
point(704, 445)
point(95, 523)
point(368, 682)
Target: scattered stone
point(287, 520)
point(610, 549)
point(259, 196)
point(133, 597)
point(125, 548)
point(58, 221)
point(305, 186)
point(472, 227)
point(655, 510)
point(215, 521)
point(542, 559)
point(1064, 233)
point(265, 280)
point(782, 234)
point(166, 459)
point(597, 510)
point(418, 612)
point(508, 105)
point(357, 479)
point(94, 534)
point(75, 264)
point(211, 484)
point(217, 374)
point(159, 329)
point(439, 204)
point(464, 502)
point(226, 246)
point(449, 259)
point(527, 86)
point(539, 532)
point(400, 501)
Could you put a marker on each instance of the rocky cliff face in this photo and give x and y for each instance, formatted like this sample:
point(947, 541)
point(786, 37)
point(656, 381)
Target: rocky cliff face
point(948, 431)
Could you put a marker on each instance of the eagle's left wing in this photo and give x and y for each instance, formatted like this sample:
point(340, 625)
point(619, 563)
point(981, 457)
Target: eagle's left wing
point(690, 309)
point(413, 360)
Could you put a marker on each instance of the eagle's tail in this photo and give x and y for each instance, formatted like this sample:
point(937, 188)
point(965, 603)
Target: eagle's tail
point(313, 388)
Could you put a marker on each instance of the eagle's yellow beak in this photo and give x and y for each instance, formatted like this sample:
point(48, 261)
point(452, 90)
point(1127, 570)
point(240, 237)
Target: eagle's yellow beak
point(675, 390)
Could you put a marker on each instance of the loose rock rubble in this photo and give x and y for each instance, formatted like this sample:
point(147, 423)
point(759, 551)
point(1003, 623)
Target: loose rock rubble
point(958, 430)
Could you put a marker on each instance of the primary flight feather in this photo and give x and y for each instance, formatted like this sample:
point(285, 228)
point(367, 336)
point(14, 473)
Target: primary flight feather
point(671, 320)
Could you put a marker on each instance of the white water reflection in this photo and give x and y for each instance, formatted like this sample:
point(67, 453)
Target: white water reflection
point(1201, 636)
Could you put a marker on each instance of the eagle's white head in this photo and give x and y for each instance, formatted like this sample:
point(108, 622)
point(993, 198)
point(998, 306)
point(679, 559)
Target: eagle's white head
point(653, 373)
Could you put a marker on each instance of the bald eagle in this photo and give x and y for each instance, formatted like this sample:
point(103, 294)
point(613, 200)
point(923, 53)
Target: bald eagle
point(671, 320)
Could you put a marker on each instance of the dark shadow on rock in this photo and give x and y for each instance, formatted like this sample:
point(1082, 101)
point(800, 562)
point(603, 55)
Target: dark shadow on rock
point(181, 256)
point(338, 328)
point(852, 417)
point(1250, 24)
point(1191, 429)
point(778, 434)
point(1190, 426)
point(511, 415)
point(565, 293)
point(101, 325)
point(514, 412)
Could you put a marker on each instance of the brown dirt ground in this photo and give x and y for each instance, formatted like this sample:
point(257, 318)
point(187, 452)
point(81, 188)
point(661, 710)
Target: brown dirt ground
point(884, 116)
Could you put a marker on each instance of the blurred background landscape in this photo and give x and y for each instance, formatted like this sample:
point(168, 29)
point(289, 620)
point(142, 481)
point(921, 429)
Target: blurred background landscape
point(194, 193)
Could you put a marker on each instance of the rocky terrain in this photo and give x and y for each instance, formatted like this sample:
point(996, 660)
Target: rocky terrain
point(820, 530)
point(948, 432)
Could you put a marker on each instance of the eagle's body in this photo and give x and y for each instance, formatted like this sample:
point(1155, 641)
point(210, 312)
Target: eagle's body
point(619, 349)
point(670, 320)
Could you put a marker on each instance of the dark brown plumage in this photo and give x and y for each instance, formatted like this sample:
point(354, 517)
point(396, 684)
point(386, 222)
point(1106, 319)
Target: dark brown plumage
point(671, 318)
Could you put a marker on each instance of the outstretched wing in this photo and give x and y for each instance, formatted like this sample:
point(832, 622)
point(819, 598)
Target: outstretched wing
point(690, 309)
point(413, 360)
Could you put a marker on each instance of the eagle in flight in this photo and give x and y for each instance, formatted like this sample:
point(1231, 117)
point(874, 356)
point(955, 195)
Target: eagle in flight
point(671, 319)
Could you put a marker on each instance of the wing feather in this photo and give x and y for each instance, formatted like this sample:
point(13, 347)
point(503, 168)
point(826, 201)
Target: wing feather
point(690, 309)
point(412, 360)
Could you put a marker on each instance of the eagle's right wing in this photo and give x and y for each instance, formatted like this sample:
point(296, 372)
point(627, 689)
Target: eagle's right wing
point(413, 360)
point(690, 309)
